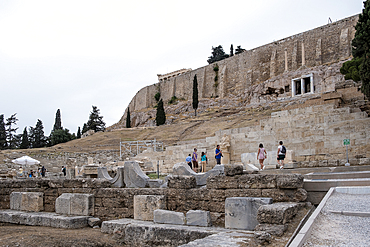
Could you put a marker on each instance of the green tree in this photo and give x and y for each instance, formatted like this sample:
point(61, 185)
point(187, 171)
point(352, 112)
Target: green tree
point(37, 135)
point(3, 142)
point(79, 133)
point(95, 121)
point(195, 94)
point(231, 50)
point(10, 130)
point(239, 49)
point(359, 67)
point(60, 136)
point(161, 115)
point(128, 119)
point(84, 128)
point(58, 121)
point(25, 142)
point(218, 54)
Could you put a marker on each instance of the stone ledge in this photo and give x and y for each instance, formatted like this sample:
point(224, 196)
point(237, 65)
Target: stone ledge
point(43, 219)
point(277, 213)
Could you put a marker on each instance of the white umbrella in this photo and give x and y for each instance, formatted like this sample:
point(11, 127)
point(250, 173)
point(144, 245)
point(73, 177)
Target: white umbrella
point(26, 160)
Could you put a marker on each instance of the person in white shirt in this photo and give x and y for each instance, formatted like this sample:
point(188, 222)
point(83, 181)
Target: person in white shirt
point(281, 154)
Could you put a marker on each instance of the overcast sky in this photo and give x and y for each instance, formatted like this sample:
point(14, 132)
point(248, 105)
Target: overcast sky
point(70, 55)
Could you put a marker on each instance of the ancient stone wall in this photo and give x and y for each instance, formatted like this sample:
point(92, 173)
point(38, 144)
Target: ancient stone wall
point(320, 46)
point(114, 203)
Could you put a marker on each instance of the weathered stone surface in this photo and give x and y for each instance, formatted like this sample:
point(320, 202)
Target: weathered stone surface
point(198, 218)
point(169, 217)
point(232, 169)
point(42, 219)
point(262, 238)
point(277, 213)
point(94, 222)
point(139, 233)
point(117, 181)
point(241, 212)
point(285, 195)
point(201, 178)
point(273, 229)
point(289, 181)
point(181, 182)
point(134, 177)
point(75, 204)
point(144, 206)
point(27, 201)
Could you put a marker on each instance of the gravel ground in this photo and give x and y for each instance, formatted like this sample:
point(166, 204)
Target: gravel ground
point(340, 230)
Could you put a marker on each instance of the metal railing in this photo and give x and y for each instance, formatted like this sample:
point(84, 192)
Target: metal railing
point(136, 147)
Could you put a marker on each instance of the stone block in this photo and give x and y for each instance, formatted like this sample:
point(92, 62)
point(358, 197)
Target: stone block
point(82, 204)
point(144, 206)
point(181, 182)
point(27, 201)
point(273, 229)
point(277, 213)
point(169, 217)
point(15, 200)
point(75, 204)
point(289, 181)
point(232, 170)
point(198, 218)
point(94, 222)
point(182, 168)
point(241, 212)
point(134, 177)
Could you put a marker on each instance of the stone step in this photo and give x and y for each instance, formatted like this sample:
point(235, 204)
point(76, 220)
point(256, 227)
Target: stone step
point(43, 219)
point(147, 233)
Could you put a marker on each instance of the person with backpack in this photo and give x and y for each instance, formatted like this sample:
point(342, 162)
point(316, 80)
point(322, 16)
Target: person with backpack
point(281, 155)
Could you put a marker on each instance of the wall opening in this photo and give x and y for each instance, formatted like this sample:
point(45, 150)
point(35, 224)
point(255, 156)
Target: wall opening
point(302, 85)
point(307, 84)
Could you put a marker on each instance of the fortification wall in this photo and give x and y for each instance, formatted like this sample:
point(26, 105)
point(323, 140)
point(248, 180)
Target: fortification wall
point(320, 46)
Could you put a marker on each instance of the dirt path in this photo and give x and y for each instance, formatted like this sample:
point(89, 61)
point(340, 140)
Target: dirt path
point(37, 236)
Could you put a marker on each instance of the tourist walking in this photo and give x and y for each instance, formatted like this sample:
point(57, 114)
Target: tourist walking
point(203, 159)
point(218, 156)
point(195, 160)
point(281, 155)
point(261, 155)
point(64, 170)
point(188, 160)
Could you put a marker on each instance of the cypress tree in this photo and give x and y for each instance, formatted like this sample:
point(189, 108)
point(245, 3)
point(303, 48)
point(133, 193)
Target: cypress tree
point(84, 128)
point(79, 133)
point(231, 50)
point(195, 94)
point(161, 115)
point(3, 142)
point(359, 67)
point(58, 121)
point(25, 142)
point(128, 119)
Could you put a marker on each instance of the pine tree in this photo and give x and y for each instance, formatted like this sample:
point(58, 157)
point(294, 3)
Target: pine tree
point(58, 121)
point(61, 136)
point(3, 142)
point(128, 119)
point(161, 115)
point(358, 69)
point(10, 130)
point(217, 54)
point(37, 135)
point(195, 94)
point(25, 142)
point(79, 133)
point(95, 121)
point(231, 50)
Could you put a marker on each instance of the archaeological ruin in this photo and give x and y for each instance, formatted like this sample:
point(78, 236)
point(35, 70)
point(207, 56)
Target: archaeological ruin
point(135, 185)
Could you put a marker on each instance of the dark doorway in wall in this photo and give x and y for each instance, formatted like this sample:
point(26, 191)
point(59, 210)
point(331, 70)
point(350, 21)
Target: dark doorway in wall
point(307, 84)
point(287, 89)
point(298, 87)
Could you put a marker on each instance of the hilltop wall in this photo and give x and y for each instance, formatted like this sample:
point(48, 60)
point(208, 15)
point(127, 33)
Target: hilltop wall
point(238, 74)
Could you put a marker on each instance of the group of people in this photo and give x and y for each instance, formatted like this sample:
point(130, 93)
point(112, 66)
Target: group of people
point(32, 174)
point(192, 160)
point(262, 155)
